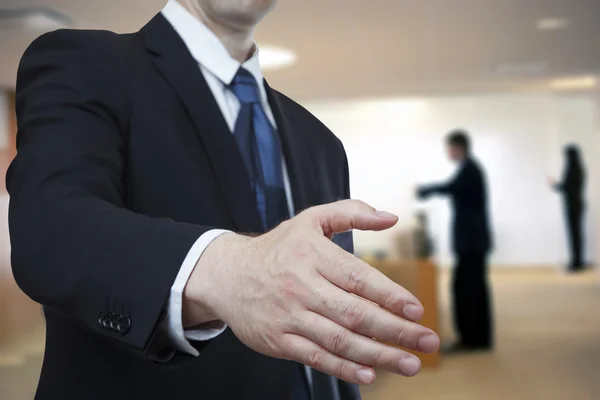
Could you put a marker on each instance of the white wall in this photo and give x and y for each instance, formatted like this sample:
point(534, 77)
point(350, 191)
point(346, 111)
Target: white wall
point(595, 186)
point(4, 119)
point(4, 239)
point(394, 144)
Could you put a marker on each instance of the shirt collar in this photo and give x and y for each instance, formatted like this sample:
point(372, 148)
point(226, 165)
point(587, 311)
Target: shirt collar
point(207, 49)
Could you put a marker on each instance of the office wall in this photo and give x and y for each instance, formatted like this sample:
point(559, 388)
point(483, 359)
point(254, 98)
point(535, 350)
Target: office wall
point(6, 130)
point(394, 144)
point(595, 186)
point(4, 119)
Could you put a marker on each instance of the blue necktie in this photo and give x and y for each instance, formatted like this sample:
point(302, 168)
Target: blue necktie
point(260, 148)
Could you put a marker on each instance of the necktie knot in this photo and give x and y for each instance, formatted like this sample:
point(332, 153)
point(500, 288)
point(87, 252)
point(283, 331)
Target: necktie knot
point(245, 88)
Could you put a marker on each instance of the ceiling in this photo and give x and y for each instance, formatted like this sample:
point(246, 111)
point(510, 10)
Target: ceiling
point(349, 48)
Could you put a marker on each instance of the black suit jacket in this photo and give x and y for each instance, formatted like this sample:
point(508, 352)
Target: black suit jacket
point(468, 193)
point(572, 186)
point(124, 160)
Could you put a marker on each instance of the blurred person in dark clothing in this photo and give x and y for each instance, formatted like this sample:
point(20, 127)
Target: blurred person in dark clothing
point(571, 187)
point(471, 243)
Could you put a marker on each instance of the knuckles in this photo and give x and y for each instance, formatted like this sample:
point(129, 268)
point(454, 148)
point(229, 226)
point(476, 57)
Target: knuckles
point(316, 358)
point(294, 249)
point(392, 301)
point(338, 342)
point(343, 369)
point(375, 359)
point(354, 316)
point(400, 338)
point(291, 283)
point(356, 281)
point(303, 250)
point(290, 288)
point(284, 347)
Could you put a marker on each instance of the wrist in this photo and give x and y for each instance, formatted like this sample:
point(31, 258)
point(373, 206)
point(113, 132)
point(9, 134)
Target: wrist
point(201, 291)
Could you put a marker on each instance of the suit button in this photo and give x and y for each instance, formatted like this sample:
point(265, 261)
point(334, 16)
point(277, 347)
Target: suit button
point(114, 322)
point(125, 325)
point(118, 322)
point(102, 317)
point(107, 320)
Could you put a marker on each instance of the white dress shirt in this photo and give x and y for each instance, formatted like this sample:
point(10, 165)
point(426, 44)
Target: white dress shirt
point(219, 69)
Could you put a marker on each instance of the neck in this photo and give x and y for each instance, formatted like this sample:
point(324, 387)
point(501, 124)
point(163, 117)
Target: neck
point(239, 41)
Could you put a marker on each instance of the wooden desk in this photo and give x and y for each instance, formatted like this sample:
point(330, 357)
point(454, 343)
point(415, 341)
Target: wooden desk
point(420, 278)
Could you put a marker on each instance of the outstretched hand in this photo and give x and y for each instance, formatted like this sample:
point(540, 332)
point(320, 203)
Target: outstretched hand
point(293, 294)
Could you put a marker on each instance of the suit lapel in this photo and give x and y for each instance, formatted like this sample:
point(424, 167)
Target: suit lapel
point(173, 60)
point(296, 153)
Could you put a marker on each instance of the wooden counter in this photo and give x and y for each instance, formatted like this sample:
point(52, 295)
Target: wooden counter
point(420, 278)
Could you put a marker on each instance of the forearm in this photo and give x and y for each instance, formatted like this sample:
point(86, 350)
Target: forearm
point(425, 191)
point(558, 186)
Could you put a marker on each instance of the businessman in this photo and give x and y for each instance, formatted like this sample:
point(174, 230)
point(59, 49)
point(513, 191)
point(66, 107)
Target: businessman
point(471, 243)
point(572, 189)
point(177, 219)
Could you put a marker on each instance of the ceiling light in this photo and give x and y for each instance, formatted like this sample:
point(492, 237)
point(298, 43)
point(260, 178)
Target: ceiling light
point(43, 23)
point(574, 83)
point(551, 24)
point(35, 19)
point(521, 68)
point(275, 57)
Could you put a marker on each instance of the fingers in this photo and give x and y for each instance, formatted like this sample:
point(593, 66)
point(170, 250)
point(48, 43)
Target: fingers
point(309, 353)
point(355, 276)
point(346, 215)
point(360, 349)
point(369, 320)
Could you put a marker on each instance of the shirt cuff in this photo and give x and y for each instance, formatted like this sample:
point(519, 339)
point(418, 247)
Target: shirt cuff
point(175, 334)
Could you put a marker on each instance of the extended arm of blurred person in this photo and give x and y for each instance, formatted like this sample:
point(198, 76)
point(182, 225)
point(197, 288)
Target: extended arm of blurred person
point(79, 250)
point(571, 183)
point(455, 186)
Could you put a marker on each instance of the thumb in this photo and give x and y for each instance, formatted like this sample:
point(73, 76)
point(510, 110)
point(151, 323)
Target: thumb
point(345, 215)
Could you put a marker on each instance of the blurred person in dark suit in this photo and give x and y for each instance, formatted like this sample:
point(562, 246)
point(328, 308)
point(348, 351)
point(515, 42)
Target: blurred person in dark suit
point(139, 156)
point(572, 189)
point(471, 243)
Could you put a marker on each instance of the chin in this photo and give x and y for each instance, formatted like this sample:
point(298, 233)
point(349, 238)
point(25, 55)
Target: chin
point(243, 12)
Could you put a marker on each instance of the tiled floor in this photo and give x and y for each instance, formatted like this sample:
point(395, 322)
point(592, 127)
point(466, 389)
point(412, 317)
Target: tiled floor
point(548, 334)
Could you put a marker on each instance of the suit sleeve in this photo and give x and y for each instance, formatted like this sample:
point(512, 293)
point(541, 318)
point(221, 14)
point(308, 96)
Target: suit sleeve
point(454, 187)
point(562, 186)
point(76, 248)
point(571, 184)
